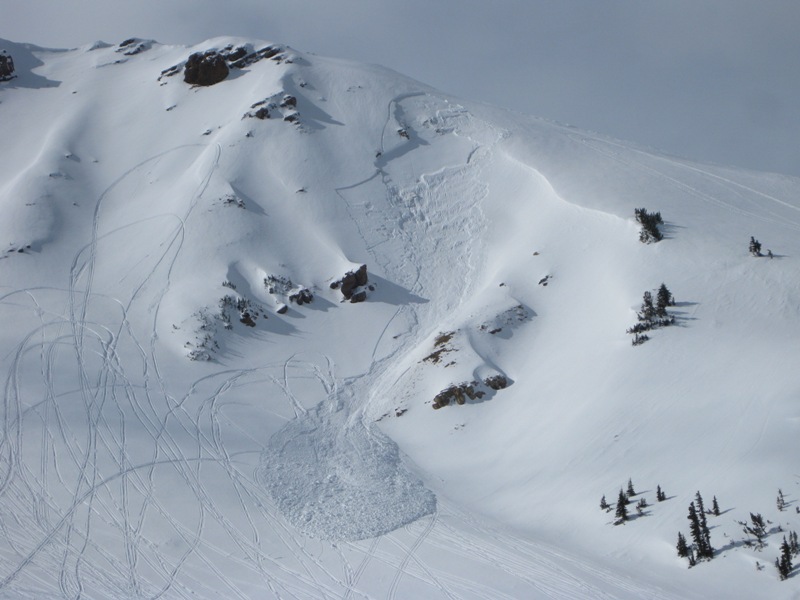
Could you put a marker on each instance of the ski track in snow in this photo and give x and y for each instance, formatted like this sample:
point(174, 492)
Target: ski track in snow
point(326, 462)
point(757, 214)
point(114, 486)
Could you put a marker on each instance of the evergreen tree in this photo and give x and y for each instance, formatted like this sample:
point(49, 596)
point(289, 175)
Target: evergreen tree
point(663, 300)
point(694, 526)
point(793, 545)
point(708, 551)
point(622, 512)
point(755, 246)
point(648, 311)
point(756, 528)
point(698, 500)
point(640, 506)
point(780, 501)
point(682, 547)
point(715, 507)
point(649, 222)
point(784, 563)
point(700, 533)
point(660, 495)
point(603, 504)
point(631, 491)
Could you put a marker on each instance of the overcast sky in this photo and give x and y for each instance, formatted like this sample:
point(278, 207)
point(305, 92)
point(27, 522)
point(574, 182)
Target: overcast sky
point(714, 80)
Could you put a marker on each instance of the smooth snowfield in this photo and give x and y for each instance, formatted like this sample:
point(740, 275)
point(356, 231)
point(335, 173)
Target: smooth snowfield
point(154, 444)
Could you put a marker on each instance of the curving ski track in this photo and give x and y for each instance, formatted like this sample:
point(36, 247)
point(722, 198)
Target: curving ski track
point(115, 485)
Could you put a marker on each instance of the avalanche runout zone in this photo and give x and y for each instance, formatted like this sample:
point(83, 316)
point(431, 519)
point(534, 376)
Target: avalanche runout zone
point(127, 471)
point(339, 482)
point(332, 474)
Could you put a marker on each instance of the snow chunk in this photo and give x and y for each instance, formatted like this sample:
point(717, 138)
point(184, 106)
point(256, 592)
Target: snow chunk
point(341, 481)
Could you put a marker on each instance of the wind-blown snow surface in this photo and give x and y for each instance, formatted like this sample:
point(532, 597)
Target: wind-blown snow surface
point(285, 466)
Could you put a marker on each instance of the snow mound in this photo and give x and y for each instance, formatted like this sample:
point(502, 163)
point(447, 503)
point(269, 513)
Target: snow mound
point(336, 481)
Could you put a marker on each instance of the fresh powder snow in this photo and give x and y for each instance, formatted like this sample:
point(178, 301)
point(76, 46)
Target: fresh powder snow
point(206, 395)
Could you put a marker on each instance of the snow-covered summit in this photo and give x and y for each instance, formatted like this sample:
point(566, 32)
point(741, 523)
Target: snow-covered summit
point(196, 406)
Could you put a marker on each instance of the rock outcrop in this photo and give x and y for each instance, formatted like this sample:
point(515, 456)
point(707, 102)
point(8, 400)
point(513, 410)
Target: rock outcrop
point(301, 296)
point(350, 283)
point(133, 46)
point(458, 393)
point(496, 382)
point(254, 57)
point(212, 66)
point(461, 392)
point(205, 68)
point(277, 105)
point(6, 66)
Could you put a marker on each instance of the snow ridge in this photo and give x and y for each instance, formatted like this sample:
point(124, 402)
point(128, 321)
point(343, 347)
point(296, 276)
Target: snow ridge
point(302, 457)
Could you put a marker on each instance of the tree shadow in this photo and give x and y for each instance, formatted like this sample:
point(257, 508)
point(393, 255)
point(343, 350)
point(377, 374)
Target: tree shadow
point(733, 544)
point(634, 515)
point(668, 228)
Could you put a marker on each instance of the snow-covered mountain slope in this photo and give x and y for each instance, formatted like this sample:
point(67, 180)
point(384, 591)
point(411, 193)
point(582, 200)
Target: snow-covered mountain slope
point(180, 421)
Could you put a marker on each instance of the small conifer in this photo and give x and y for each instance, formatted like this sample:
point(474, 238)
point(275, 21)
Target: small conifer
point(682, 547)
point(622, 512)
point(660, 495)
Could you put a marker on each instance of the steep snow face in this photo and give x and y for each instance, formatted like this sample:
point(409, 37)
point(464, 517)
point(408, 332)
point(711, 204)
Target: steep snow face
point(191, 407)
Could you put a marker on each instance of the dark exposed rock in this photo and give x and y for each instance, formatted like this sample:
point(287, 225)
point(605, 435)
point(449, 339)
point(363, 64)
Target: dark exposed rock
point(133, 46)
point(276, 106)
point(264, 109)
point(253, 57)
point(458, 393)
point(6, 66)
point(212, 66)
point(441, 347)
point(232, 200)
point(247, 319)
point(358, 297)
point(282, 309)
point(171, 71)
point(301, 296)
point(350, 281)
point(205, 68)
point(232, 54)
point(496, 382)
